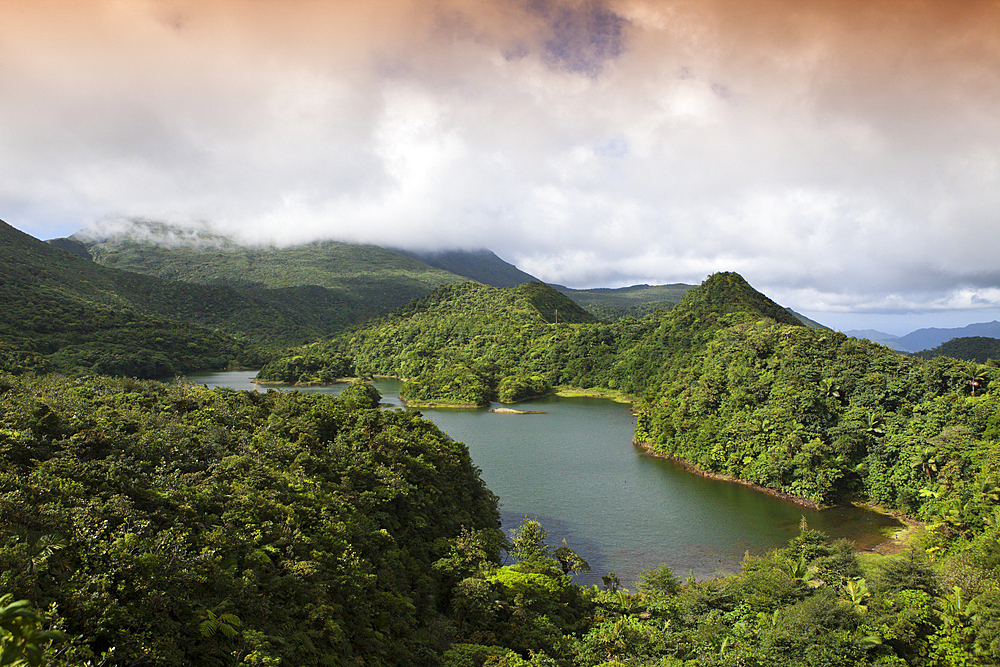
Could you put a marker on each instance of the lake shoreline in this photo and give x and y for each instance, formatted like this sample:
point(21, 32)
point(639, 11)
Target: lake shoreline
point(894, 544)
point(695, 470)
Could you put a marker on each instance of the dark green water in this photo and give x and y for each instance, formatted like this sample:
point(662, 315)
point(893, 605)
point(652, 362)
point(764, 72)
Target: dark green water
point(575, 469)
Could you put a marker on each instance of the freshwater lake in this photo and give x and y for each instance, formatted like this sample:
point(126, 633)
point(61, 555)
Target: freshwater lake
point(575, 469)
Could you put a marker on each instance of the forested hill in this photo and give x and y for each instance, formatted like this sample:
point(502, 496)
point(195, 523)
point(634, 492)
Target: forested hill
point(469, 344)
point(725, 293)
point(66, 313)
point(174, 525)
point(610, 304)
point(375, 279)
point(980, 349)
point(63, 313)
point(480, 265)
point(727, 380)
point(456, 345)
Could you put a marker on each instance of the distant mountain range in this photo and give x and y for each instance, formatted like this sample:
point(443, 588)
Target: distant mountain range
point(925, 339)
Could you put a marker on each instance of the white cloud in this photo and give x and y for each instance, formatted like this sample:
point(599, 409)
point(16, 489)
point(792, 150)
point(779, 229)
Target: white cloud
point(838, 161)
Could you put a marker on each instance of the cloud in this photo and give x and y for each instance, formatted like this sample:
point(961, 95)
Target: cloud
point(843, 155)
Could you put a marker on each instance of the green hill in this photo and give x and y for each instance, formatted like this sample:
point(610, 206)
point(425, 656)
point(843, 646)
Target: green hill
point(67, 313)
point(970, 348)
point(727, 380)
point(167, 524)
point(610, 304)
point(375, 280)
point(457, 345)
point(483, 266)
point(64, 313)
point(469, 344)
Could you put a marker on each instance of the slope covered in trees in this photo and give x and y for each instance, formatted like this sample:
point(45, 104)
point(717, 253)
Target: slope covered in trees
point(462, 344)
point(727, 381)
point(174, 525)
point(373, 279)
point(971, 348)
point(63, 312)
point(610, 304)
point(482, 266)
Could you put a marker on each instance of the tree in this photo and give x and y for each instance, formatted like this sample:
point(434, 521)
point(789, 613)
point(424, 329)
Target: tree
point(568, 559)
point(22, 640)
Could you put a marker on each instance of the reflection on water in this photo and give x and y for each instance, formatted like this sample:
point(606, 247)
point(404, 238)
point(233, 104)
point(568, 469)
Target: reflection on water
point(575, 469)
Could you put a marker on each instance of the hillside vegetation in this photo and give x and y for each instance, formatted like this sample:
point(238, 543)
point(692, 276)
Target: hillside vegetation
point(482, 266)
point(727, 381)
point(173, 525)
point(971, 348)
point(459, 345)
point(373, 280)
point(167, 524)
point(64, 313)
point(610, 304)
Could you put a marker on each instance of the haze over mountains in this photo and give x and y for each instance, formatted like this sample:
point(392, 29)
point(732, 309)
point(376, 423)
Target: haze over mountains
point(925, 339)
point(197, 254)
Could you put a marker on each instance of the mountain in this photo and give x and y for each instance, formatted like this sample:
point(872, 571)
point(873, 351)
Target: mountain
point(881, 337)
point(925, 339)
point(610, 304)
point(375, 280)
point(970, 348)
point(727, 292)
point(63, 312)
point(812, 324)
point(469, 344)
point(72, 245)
point(480, 265)
point(457, 345)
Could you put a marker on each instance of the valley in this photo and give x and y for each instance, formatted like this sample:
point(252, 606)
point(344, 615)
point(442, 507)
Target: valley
point(142, 517)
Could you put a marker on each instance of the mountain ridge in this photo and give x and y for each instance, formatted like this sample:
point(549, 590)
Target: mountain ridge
point(927, 338)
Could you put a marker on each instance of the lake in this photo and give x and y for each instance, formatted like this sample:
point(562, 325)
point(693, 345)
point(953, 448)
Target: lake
point(575, 469)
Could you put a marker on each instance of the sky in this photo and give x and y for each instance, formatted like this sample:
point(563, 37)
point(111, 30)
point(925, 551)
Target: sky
point(842, 155)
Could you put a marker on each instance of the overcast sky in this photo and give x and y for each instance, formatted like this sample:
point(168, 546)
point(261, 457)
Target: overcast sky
point(842, 155)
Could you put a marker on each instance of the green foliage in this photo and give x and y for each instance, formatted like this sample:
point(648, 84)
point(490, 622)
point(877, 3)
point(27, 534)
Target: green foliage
point(310, 366)
point(22, 639)
point(463, 344)
point(658, 580)
point(727, 380)
point(370, 279)
point(609, 304)
point(168, 522)
point(970, 348)
point(360, 396)
point(514, 388)
point(171, 524)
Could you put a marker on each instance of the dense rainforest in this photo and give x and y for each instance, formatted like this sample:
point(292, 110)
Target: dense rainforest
point(168, 524)
point(64, 313)
point(160, 524)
